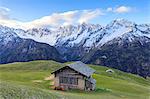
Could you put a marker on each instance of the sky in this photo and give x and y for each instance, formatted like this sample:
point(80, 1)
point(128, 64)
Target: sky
point(53, 13)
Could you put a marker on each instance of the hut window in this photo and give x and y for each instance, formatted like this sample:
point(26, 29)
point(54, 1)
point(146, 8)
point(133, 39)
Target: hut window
point(68, 80)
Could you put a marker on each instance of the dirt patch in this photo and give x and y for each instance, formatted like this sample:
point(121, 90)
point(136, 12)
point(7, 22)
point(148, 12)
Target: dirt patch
point(52, 83)
point(51, 77)
point(38, 81)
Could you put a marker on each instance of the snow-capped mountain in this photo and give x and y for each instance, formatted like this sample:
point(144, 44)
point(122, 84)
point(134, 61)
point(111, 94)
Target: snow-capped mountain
point(15, 49)
point(120, 44)
point(87, 35)
point(61, 34)
point(7, 34)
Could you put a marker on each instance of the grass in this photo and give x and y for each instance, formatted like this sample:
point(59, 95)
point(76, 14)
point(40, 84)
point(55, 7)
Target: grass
point(13, 91)
point(25, 80)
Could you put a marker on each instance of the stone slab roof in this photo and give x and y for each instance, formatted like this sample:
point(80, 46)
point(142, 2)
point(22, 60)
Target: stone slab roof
point(82, 68)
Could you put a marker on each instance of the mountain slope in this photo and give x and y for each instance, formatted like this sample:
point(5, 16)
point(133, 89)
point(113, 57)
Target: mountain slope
point(13, 48)
point(27, 80)
point(121, 44)
point(133, 57)
point(87, 35)
point(124, 30)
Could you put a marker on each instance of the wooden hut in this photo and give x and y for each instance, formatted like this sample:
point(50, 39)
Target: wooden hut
point(74, 76)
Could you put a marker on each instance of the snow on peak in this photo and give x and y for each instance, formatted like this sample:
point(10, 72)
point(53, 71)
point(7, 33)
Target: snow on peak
point(7, 34)
point(116, 29)
point(79, 35)
point(121, 22)
point(86, 35)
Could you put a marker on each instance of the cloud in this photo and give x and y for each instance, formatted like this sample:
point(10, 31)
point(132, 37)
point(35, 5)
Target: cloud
point(59, 19)
point(4, 13)
point(109, 9)
point(87, 15)
point(53, 20)
point(11, 23)
point(120, 9)
point(66, 18)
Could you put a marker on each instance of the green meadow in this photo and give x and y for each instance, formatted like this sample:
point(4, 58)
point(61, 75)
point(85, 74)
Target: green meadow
point(27, 80)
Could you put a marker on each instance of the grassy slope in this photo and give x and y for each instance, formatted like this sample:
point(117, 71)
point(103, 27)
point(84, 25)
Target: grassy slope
point(21, 77)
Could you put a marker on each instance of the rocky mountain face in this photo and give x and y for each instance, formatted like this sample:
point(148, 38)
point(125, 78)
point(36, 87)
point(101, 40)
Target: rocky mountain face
point(121, 44)
point(133, 57)
point(15, 49)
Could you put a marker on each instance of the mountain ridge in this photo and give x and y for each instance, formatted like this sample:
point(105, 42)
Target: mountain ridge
point(75, 34)
point(122, 38)
point(13, 48)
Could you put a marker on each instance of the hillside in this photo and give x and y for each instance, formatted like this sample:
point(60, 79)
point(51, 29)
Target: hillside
point(27, 80)
point(16, 49)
